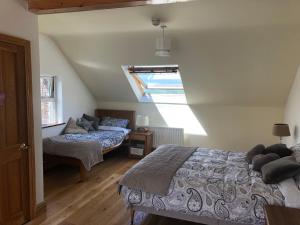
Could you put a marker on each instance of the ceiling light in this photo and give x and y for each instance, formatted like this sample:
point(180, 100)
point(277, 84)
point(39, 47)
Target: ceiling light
point(163, 44)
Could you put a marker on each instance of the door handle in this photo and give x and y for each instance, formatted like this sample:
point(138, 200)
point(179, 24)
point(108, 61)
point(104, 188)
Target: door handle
point(23, 147)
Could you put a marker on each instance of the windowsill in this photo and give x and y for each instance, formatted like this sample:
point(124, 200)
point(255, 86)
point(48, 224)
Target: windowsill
point(52, 125)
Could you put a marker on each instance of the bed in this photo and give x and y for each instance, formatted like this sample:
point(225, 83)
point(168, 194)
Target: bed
point(87, 150)
point(211, 186)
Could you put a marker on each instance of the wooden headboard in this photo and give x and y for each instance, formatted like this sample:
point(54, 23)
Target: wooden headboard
point(120, 114)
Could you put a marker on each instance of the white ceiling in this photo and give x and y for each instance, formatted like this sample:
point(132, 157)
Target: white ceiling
point(241, 52)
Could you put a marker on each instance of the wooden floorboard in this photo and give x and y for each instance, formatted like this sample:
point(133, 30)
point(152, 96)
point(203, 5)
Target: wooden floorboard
point(93, 202)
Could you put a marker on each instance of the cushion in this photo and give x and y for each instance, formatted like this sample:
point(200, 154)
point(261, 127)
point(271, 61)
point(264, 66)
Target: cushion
point(258, 149)
point(259, 160)
point(93, 119)
point(279, 149)
point(114, 122)
point(280, 169)
point(72, 128)
point(85, 124)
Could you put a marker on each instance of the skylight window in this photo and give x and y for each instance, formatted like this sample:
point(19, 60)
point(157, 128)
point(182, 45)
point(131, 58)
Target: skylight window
point(159, 84)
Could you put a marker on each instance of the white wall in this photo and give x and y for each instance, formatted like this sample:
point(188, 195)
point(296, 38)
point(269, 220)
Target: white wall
point(76, 98)
point(236, 128)
point(292, 112)
point(15, 20)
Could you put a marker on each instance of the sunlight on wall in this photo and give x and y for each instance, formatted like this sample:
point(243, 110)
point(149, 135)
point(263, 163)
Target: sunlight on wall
point(181, 116)
point(167, 98)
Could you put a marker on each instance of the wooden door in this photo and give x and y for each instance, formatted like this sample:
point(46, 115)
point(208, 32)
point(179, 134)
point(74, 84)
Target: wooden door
point(17, 191)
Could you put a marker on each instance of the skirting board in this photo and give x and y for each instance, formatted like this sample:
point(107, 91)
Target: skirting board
point(40, 208)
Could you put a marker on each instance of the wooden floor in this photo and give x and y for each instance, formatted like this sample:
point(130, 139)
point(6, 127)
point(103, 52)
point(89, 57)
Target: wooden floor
point(93, 202)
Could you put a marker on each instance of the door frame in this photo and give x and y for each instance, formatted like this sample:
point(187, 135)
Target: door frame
point(31, 151)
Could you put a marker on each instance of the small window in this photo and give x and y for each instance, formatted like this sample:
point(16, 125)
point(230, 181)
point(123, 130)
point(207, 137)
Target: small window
point(48, 100)
point(159, 84)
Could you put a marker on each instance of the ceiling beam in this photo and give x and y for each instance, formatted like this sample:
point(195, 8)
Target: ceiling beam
point(60, 6)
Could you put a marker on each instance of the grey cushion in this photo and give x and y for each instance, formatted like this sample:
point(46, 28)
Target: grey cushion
point(280, 169)
point(85, 124)
point(259, 160)
point(279, 149)
point(72, 128)
point(258, 149)
point(94, 119)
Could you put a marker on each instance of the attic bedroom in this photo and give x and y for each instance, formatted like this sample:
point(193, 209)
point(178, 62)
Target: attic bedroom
point(149, 112)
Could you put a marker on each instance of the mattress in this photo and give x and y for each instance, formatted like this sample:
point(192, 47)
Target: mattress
point(212, 185)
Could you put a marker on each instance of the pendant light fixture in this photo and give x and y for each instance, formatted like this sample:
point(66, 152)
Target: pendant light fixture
point(163, 44)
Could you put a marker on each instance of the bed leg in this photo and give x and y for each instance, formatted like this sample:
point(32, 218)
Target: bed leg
point(132, 212)
point(83, 173)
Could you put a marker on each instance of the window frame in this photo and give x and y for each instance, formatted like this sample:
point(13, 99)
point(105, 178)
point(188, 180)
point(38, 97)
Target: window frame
point(134, 73)
point(50, 99)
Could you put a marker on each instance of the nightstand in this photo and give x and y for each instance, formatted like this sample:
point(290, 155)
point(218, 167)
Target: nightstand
point(280, 215)
point(140, 144)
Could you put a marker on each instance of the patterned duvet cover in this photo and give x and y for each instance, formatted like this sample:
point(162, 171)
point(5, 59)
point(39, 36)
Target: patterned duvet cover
point(106, 138)
point(215, 184)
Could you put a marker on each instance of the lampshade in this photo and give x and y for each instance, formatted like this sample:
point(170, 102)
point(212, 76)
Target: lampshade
point(142, 121)
point(281, 130)
point(163, 47)
point(163, 44)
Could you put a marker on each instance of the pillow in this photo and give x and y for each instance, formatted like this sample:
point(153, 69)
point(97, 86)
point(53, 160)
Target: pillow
point(280, 169)
point(124, 130)
point(291, 193)
point(85, 124)
point(297, 155)
point(72, 128)
point(258, 149)
point(296, 147)
point(279, 149)
point(296, 152)
point(259, 160)
point(93, 119)
point(114, 122)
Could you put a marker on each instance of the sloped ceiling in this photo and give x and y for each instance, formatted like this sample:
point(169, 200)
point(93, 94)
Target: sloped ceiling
point(240, 52)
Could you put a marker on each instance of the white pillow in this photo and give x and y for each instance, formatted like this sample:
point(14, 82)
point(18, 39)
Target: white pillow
point(291, 192)
point(296, 150)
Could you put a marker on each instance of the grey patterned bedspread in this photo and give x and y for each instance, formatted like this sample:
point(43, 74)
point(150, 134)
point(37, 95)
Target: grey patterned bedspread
point(212, 183)
point(106, 138)
point(85, 147)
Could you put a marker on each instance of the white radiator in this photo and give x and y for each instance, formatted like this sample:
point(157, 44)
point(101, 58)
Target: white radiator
point(167, 135)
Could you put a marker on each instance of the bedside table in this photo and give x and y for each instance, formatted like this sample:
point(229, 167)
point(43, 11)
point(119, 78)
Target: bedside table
point(280, 215)
point(140, 143)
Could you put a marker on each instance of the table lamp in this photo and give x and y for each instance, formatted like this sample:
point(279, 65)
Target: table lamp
point(142, 122)
point(281, 130)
